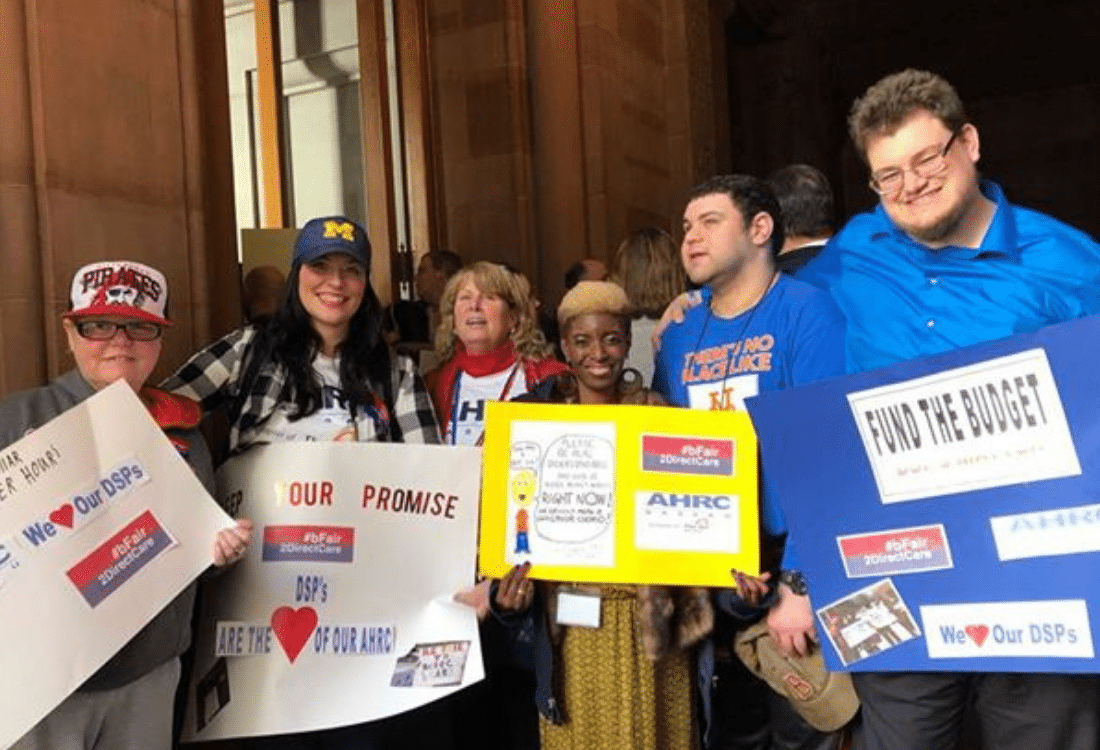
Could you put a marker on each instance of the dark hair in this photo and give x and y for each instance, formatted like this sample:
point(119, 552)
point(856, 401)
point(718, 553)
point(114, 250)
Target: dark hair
point(574, 273)
point(751, 195)
point(288, 339)
point(805, 198)
point(446, 262)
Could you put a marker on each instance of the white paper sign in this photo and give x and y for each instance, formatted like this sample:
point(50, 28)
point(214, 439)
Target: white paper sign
point(1047, 533)
point(686, 522)
point(1035, 628)
point(102, 524)
point(342, 611)
point(990, 424)
point(561, 493)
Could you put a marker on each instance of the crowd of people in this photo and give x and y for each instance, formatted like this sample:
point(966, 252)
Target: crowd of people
point(942, 262)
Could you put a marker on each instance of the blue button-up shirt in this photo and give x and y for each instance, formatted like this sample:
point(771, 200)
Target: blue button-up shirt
point(904, 299)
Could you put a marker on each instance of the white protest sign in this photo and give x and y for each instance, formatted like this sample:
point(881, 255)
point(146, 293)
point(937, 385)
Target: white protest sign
point(102, 524)
point(1048, 628)
point(342, 610)
point(990, 424)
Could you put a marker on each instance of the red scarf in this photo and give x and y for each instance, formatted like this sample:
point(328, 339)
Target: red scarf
point(474, 365)
point(480, 365)
point(442, 379)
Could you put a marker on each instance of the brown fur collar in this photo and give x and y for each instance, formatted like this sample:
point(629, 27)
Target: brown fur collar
point(669, 617)
point(673, 617)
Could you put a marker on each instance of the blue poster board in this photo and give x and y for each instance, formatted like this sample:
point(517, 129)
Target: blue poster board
point(947, 509)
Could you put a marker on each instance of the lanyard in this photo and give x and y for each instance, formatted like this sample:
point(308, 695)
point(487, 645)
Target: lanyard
point(378, 414)
point(454, 402)
point(744, 327)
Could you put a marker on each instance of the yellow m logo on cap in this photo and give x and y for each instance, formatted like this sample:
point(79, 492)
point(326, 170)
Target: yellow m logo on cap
point(343, 229)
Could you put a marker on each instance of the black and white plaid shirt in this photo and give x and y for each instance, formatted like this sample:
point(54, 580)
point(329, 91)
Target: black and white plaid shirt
point(213, 378)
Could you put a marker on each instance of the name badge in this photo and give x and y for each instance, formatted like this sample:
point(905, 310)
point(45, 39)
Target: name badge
point(581, 610)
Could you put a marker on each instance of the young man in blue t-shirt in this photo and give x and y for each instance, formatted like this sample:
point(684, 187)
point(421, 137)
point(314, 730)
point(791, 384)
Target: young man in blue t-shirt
point(758, 331)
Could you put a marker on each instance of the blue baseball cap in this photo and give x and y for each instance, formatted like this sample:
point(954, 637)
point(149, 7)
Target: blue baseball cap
point(331, 234)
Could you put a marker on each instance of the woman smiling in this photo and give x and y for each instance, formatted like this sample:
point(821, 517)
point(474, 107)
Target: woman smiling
point(320, 370)
point(627, 681)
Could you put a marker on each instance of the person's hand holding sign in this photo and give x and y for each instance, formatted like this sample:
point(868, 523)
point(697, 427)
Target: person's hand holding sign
point(231, 544)
point(751, 589)
point(476, 596)
point(515, 593)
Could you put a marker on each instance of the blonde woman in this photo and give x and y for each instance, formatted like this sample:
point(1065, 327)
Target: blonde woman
point(490, 345)
point(628, 682)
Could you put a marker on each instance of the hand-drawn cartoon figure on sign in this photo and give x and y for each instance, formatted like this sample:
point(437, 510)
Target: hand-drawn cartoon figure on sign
point(523, 487)
point(561, 501)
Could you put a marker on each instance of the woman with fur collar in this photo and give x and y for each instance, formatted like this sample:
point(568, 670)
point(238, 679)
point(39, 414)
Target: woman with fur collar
point(626, 683)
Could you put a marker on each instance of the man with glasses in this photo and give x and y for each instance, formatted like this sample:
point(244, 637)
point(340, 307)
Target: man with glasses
point(946, 261)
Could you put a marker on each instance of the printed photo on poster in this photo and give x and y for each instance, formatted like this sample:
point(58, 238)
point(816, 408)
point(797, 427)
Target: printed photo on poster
point(432, 665)
point(868, 622)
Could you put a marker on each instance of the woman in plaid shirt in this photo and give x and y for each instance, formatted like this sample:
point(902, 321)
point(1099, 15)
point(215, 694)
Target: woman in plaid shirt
point(320, 368)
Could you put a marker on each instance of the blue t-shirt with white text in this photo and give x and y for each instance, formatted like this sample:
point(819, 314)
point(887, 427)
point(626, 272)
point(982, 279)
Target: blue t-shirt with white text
point(793, 336)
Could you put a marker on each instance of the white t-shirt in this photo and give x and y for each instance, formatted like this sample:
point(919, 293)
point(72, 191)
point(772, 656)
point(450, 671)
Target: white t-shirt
point(467, 419)
point(641, 347)
point(333, 421)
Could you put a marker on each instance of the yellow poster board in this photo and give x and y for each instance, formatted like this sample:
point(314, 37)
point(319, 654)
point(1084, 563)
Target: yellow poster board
point(619, 494)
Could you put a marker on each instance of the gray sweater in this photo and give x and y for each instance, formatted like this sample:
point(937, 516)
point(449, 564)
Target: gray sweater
point(168, 634)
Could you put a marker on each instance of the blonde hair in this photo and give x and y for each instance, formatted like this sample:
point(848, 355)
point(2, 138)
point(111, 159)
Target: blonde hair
point(594, 297)
point(648, 268)
point(500, 281)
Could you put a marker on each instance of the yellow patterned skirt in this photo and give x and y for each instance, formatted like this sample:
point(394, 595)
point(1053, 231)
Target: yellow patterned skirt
point(613, 695)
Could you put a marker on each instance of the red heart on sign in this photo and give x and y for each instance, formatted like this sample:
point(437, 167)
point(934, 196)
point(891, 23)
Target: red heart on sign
point(977, 633)
point(293, 627)
point(63, 516)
